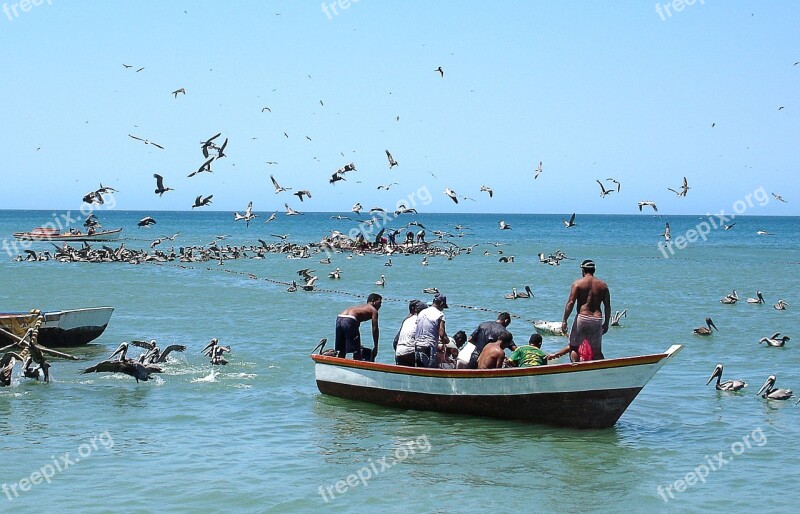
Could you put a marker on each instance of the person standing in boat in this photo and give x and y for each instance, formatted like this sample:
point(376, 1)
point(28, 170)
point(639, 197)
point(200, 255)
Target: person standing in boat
point(587, 296)
point(348, 335)
point(430, 331)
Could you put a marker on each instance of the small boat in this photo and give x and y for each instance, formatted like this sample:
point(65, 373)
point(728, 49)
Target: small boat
point(53, 234)
point(548, 328)
point(64, 328)
point(592, 394)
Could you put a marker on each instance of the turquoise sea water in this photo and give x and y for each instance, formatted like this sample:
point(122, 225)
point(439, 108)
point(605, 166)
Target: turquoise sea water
point(256, 435)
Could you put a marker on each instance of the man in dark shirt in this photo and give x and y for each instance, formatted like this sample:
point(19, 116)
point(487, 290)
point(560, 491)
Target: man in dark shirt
point(489, 331)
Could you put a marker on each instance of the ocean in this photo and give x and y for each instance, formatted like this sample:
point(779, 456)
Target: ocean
point(257, 436)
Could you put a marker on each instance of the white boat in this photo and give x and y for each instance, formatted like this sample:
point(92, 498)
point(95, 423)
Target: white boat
point(592, 394)
point(54, 235)
point(548, 328)
point(63, 328)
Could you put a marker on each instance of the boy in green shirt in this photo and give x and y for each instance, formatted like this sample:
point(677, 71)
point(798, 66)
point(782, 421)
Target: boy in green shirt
point(531, 355)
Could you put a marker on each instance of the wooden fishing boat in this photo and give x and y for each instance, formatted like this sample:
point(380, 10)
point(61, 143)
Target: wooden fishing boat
point(53, 234)
point(64, 328)
point(591, 394)
point(548, 328)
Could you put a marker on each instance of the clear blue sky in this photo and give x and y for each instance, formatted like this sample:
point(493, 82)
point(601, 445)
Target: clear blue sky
point(592, 89)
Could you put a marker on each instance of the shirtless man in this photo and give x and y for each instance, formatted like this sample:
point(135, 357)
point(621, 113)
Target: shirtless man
point(348, 335)
point(590, 324)
point(494, 354)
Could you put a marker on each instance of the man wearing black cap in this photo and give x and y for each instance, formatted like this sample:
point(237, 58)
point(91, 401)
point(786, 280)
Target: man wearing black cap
point(590, 294)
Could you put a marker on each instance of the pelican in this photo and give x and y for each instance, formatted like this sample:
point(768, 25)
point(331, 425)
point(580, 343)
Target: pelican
point(571, 222)
point(728, 227)
point(759, 299)
point(617, 316)
point(206, 166)
point(684, 188)
point(145, 141)
point(160, 189)
point(779, 198)
point(512, 295)
point(430, 290)
point(487, 189)
point(357, 208)
point(146, 221)
point(335, 273)
point(706, 331)
point(728, 385)
point(773, 394)
point(603, 190)
point(392, 162)
point(247, 216)
point(538, 171)
point(527, 294)
point(616, 182)
point(381, 282)
point(666, 233)
point(135, 369)
point(731, 298)
point(202, 202)
point(292, 288)
point(209, 143)
point(290, 211)
point(504, 225)
point(388, 263)
point(7, 362)
point(781, 305)
point(278, 188)
point(763, 233)
point(645, 203)
point(214, 350)
point(452, 194)
point(775, 340)
point(309, 285)
point(424, 261)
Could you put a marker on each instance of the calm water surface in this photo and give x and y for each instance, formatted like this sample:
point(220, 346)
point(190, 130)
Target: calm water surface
point(256, 435)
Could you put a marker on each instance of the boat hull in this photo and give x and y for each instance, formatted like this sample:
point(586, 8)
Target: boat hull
point(548, 328)
point(583, 395)
point(65, 328)
point(108, 235)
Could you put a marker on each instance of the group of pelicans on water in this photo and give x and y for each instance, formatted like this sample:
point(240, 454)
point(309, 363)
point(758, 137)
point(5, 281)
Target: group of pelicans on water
point(775, 339)
point(148, 363)
point(767, 390)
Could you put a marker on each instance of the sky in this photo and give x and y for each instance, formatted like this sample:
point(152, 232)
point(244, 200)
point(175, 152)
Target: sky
point(646, 93)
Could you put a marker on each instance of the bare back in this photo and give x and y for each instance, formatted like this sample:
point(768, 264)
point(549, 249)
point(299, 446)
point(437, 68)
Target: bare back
point(589, 294)
point(363, 312)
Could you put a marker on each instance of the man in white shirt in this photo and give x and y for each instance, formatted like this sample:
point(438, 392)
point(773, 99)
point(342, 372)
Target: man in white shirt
point(430, 331)
point(405, 350)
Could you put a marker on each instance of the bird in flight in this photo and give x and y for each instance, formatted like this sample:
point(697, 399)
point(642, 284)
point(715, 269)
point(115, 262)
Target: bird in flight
point(357, 208)
point(571, 222)
point(645, 203)
point(271, 217)
point(290, 211)
point(127, 65)
point(145, 141)
point(538, 170)
point(387, 186)
point(301, 193)
point(140, 69)
point(684, 188)
point(616, 182)
point(278, 188)
point(146, 222)
point(266, 109)
point(160, 189)
point(603, 190)
point(221, 149)
point(205, 167)
point(504, 225)
point(440, 70)
point(209, 143)
point(779, 198)
point(201, 202)
point(452, 194)
point(247, 216)
point(336, 177)
point(487, 189)
point(392, 162)
point(175, 93)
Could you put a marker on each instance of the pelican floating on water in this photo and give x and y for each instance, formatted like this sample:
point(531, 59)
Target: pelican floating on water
point(781, 305)
point(775, 340)
point(759, 299)
point(731, 298)
point(706, 331)
point(430, 290)
point(335, 273)
point(381, 282)
point(773, 394)
point(728, 385)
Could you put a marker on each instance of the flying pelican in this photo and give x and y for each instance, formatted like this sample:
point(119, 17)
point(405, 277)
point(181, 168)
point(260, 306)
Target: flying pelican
point(202, 202)
point(538, 171)
point(206, 166)
point(278, 188)
point(616, 182)
point(728, 227)
point(781, 305)
point(181, 90)
point(504, 225)
point(247, 216)
point(775, 340)
point(647, 202)
point(440, 70)
point(271, 217)
point(706, 331)
point(779, 198)
point(571, 222)
point(684, 188)
point(160, 189)
point(221, 149)
point(357, 208)
point(146, 221)
point(603, 190)
point(145, 141)
point(129, 367)
point(731, 298)
point(336, 177)
point(290, 211)
point(728, 385)
point(760, 298)
point(209, 143)
point(387, 186)
point(392, 162)
point(381, 282)
point(773, 394)
point(452, 194)
point(487, 189)
point(617, 316)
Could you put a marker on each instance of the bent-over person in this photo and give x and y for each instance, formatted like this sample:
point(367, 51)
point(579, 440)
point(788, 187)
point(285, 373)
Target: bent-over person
point(348, 335)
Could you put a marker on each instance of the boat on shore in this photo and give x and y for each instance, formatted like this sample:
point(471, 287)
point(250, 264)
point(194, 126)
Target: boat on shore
point(53, 234)
point(592, 394)
point(65, 328)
